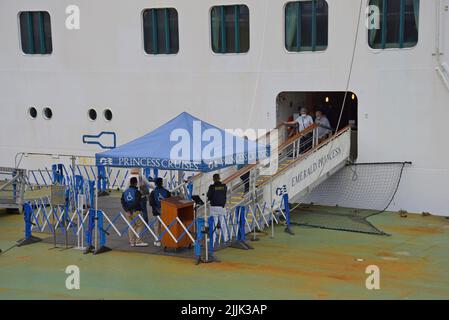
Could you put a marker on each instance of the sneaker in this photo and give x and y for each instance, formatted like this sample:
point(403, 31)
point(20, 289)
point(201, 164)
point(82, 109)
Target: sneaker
point(132, 244)
point(89, 249)
point(141, 244)
point(157, 243)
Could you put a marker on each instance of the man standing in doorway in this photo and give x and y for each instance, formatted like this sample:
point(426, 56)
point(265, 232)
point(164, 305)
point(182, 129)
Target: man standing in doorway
point(303, 122)
point(324, 127)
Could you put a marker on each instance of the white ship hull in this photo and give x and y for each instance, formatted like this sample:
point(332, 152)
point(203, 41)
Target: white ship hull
point(403, 101)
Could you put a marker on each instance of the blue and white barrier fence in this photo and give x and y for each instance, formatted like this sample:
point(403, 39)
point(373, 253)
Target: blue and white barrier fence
point(235, 225)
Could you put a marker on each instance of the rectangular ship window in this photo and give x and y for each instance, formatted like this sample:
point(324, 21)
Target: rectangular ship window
point(230, 29)
point(397, 22)
point(160, 31)
point(35, 32)
point(306, 25)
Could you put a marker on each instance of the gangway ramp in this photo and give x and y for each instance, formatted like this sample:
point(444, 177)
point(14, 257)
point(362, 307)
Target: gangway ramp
point(12, 188)
point(303, 163)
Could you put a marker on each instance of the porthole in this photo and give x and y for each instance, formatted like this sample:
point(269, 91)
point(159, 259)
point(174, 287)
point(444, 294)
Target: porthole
point(47, 113)
point(107, 114)
point(32, 112)
point(92, 114)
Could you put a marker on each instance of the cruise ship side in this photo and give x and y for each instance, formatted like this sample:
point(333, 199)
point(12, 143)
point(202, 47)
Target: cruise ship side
point(101, 78)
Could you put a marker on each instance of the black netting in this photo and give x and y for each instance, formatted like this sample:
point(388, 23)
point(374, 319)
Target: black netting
point(347, 199)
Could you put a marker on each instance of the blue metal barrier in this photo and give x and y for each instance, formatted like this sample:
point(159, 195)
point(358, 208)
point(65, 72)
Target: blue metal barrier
point(102, 178)
point(287, 214)
point(29, 238)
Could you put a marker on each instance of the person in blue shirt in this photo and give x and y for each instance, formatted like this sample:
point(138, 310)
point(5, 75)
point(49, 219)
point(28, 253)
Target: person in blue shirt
point(156, 196)
point(131, 203)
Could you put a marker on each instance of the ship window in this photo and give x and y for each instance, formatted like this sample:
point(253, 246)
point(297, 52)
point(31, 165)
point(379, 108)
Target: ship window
point(397, 24)
point(160, 31)
point(92, 114)
point(306, 25)
point(230, 29)
point(32, 112)
point(47, 113)
point(35, 32)
point(107, 114)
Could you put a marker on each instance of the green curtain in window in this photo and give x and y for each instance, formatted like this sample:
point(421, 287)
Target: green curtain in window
point(216, 29)
point(291, 21)
point(373, 32)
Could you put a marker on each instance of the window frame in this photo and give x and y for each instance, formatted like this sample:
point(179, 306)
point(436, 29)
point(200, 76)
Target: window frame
point(284, 44)
point(210, 30)
point(19, 29)
point(142, 42)
point(379, 50)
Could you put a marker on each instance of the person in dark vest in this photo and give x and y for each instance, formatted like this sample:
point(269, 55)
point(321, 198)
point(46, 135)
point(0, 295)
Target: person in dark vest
point(156, 196)
point(131, 203)
point(216, 195)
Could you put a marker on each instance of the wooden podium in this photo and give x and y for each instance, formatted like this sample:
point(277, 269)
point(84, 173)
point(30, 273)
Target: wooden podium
point(183, 209)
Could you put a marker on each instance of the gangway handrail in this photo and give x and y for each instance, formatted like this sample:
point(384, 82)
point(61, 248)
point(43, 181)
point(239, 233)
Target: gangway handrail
point(234, 175)
point(250, 195)
point(305, 155)
point(281, 148)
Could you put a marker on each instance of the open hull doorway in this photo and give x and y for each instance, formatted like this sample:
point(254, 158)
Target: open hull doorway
point(341, 109)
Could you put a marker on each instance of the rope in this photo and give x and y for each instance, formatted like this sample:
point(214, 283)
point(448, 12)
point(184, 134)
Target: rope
point(347, 82)
point(259, 64)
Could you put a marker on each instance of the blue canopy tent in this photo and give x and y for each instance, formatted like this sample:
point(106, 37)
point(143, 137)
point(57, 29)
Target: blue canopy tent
point(187, 144)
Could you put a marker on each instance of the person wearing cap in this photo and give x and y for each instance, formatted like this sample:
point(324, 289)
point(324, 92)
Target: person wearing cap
point(324, 126)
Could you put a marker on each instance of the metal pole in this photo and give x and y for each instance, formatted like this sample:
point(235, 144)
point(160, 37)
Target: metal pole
point(272, 211)
point(255, 225)
point(78, 240)
point(206, 225)
point(96, 215)
point(54, 226)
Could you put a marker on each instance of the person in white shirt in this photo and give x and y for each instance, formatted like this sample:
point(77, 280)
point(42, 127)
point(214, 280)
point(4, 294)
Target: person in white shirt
point(303, 122)
point(324, 127)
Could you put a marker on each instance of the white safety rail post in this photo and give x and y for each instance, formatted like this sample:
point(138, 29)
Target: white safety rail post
point(81, 225)
point(262, 212)
point(254, 219)
point(36, 216)
point(129, 225)
point(148, 227)
point(80, 222)
point(236, 216)
point(112, 224)
point(185, 229)
point(167, 229)
point(45, 214)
